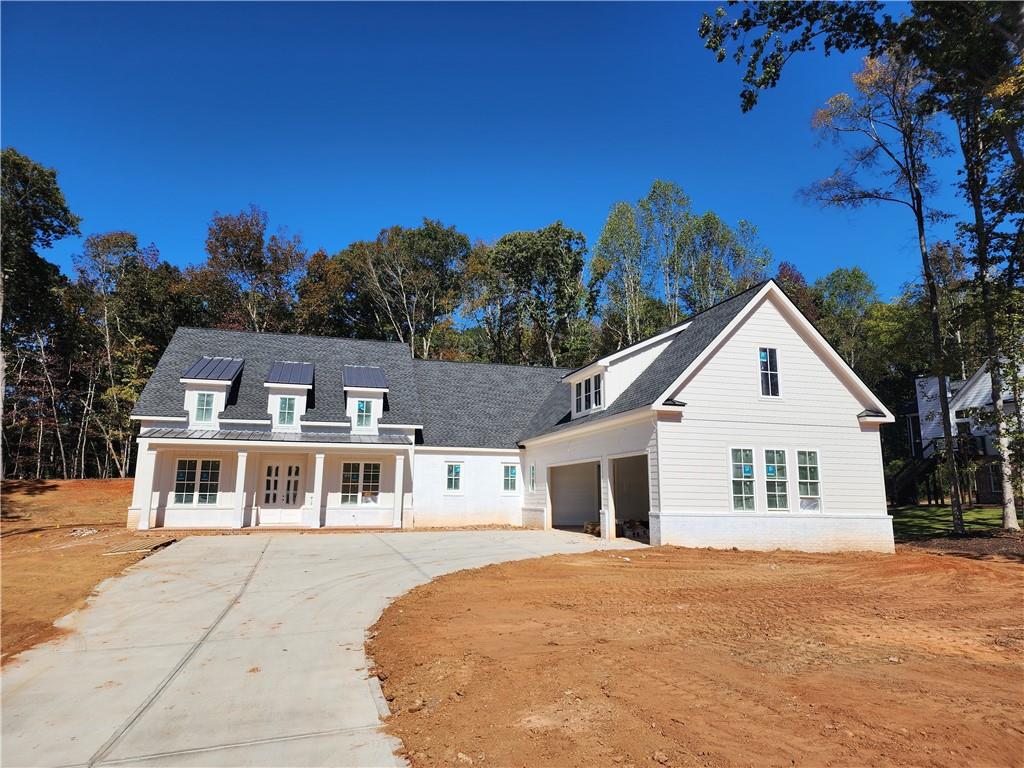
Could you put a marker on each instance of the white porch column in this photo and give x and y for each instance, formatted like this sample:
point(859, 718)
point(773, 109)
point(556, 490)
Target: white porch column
point(318, 491)
point(607, 500)
point(396, 521)
point(240, 468)
point(145, 479)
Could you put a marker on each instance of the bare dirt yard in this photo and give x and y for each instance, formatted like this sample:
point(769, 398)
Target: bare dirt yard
point(53, 534)
point(682, 657)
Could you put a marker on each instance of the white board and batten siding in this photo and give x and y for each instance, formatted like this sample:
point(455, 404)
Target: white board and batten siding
point(481, 499)
point(816, 410)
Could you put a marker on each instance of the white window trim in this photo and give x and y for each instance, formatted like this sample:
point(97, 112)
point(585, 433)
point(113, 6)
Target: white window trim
point(359, 493)
point(789, 494)
point(778, 373)
point(821, 485)
point(295, 410)
point(213, 405)
point(502, 489)
point(582, 384)
point(195, 488)
point(462, 478)
point(368, 414)
point(753, 463)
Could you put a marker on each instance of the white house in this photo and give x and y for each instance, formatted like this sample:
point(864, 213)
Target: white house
point(975, 434)
point(739, 427)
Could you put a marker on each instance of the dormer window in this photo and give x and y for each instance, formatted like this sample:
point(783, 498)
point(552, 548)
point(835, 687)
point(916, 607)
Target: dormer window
point(286, 411)
point(588, 395)
point(204, 407)
point(364, 413)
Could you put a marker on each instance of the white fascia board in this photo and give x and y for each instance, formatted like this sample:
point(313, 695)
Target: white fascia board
point(386, 425)
point(602, 364)
point(158, 418)
point(797, 317)
point(594, 368)
point(461, 449)
point(637, 414)
point(244, 421)
point(308, 446)
point(875, 419)
point(324, 423)
point(270, 385)
point(209, 382)
point(371, 390)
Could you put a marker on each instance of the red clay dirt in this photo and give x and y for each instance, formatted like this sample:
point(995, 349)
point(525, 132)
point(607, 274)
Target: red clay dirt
point(700, 658)
point(53, 534)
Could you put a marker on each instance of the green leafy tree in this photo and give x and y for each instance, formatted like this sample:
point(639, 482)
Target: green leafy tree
point(493, 301)
point(718, 260)
point(414, 278)
point(845, 297)
point(663, 215)
point(257, 273)
point(331, 300)
point(544, 268)
point(621, 263)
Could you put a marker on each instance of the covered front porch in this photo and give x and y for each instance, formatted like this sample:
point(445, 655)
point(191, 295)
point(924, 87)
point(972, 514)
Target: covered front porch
point(217, 484)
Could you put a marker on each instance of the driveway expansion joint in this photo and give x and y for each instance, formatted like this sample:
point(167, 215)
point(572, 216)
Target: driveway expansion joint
point(110, 743)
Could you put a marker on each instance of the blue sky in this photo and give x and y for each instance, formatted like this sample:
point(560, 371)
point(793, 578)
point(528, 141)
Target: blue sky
point(341, 119)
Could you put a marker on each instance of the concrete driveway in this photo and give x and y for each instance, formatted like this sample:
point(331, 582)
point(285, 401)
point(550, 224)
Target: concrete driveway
point(236, 650)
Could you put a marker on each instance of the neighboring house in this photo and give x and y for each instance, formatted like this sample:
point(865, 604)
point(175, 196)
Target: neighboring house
point(973, 433)
point(739, 427)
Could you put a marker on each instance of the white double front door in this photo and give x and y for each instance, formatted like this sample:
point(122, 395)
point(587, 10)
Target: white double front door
point(281, 492)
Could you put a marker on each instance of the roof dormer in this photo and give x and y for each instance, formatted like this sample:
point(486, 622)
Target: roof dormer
point(289, 386)
point(366, 389)
point(208, 381)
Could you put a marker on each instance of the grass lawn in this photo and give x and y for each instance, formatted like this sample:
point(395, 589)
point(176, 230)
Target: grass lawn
point(921, 521)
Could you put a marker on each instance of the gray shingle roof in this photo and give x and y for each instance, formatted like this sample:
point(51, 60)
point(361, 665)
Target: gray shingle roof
point(282, 372)
point(471, 405)
point(364, 376)
point(480, 405)
point(214, 369)
point(164, 394)
point(704, 327)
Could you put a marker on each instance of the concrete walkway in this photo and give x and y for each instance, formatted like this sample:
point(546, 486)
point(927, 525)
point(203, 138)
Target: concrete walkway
point(236, 650)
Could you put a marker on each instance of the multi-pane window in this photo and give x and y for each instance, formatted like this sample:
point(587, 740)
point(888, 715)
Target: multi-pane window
point(185, 481)
point(509, 474)
point(350, 482)
point(364, 413)
point(808, 480)
point(453, 477)
point(776, 481)
point(204, 407)
point(270, 484)
point(209, 481)
point(533, 477)
point(360, 482)
point(743, 479)
point(769, 371)
point(291, 487)
point(286, 410)
point(207, 471)
point(588, 394)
